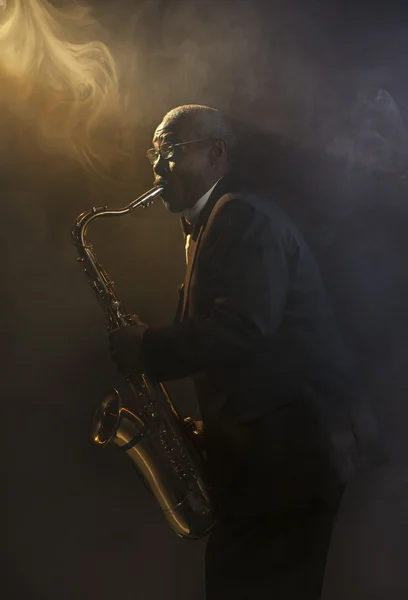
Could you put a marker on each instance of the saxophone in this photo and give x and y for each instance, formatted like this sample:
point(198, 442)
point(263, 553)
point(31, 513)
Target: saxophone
point(162, 445)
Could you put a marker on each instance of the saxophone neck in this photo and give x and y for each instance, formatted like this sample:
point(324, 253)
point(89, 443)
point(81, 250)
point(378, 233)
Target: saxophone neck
point(102, 285)
point(83, 221)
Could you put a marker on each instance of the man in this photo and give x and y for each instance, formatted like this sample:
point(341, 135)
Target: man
point(284, 427)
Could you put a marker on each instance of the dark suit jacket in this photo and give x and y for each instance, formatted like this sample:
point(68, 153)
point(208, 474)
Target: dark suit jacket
point(277, 389)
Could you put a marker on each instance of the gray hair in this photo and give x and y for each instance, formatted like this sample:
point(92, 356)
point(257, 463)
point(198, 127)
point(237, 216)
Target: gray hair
point(205, 122)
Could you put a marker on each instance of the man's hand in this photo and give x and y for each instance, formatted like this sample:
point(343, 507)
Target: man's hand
point(125, 345)
point(135, 320)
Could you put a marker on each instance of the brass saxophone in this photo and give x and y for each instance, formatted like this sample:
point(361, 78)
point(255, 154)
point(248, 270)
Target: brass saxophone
point(149, 430)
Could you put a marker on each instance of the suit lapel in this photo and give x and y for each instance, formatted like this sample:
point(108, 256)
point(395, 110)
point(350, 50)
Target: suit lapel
point(199, 231)
point(192, 253)
point(195, 238)
point(223, 186)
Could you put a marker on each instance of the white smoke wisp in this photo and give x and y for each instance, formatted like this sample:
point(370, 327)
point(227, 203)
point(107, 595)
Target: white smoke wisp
point(377, 138)
point(57, 84)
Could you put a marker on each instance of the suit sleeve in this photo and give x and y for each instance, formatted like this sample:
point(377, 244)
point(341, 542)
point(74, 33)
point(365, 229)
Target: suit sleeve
point(243, 265)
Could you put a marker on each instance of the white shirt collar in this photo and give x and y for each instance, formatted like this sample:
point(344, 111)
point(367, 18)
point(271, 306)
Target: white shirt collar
point(191, 214)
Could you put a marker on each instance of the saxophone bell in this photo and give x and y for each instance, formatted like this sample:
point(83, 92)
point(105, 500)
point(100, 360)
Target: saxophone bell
point(106, 418)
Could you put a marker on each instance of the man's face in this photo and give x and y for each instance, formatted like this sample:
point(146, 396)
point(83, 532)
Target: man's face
point(188, 172)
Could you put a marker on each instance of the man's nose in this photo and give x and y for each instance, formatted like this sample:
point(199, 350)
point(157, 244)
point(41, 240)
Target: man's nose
point(161, 166)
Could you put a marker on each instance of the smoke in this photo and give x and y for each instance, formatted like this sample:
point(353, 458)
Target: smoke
point(93, 80)
point(229, 55)
point(377, 138)
point(59, 84)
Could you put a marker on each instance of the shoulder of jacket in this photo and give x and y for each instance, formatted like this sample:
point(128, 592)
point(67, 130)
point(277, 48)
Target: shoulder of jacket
point(238, 206)
point(237, 203)
point(254, 214)
point(232, 209)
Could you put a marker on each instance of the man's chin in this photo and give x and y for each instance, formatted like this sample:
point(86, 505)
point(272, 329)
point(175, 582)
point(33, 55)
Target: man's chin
point(171, 205)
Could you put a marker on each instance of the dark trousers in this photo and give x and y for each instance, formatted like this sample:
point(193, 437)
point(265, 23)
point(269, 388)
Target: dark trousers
point(276, 556)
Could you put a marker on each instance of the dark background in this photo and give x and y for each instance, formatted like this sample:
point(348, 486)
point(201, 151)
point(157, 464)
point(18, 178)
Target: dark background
point(319, 92)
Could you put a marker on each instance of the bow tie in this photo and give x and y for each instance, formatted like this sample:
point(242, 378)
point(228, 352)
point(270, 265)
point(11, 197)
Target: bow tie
point(188, 227)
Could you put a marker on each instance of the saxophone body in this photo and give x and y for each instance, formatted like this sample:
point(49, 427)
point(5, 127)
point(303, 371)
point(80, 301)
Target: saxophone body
point(148, 428)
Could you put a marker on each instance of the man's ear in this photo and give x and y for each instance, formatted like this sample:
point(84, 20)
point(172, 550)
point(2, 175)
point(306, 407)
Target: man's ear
point(218, 151)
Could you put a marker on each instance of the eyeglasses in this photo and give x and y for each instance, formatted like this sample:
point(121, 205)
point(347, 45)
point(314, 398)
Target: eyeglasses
point(166, 150)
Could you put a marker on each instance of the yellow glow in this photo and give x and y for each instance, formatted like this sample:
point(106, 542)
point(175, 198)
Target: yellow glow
point(56, 81)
